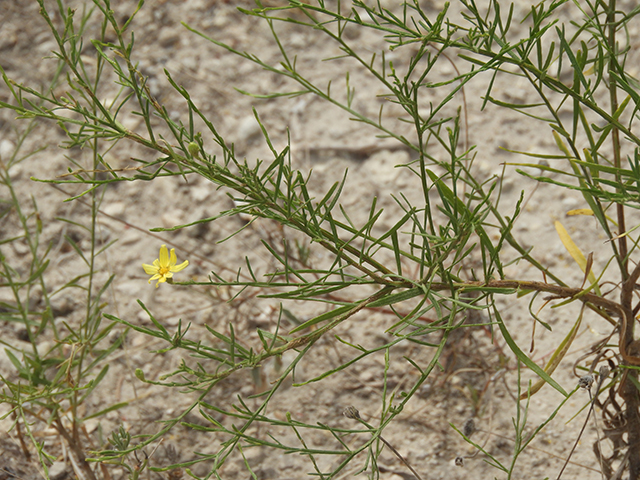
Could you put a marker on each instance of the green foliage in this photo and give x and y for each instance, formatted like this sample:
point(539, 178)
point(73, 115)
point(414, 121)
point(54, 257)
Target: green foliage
point(443, 260)
point(52, 380)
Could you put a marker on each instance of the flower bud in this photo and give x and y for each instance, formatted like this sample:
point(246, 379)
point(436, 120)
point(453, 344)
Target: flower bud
point(194, 149)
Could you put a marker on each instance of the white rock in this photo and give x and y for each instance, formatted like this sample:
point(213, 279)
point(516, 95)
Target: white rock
point(115, 209)
point(169, 38)
point(91, 425)
point(367, 376)
point(569, 203)
point(130, 289)
point(138, 339)
point(57, 470)
point(20, 247)
point(248, 129)
point(16, 171)
point(190, 62)
point(446, 68)
point(130, 122)
point(172, 321)
point(172, 218)
point(298, 40)
point(200, 193)
point(129, 237)
point(7, 147)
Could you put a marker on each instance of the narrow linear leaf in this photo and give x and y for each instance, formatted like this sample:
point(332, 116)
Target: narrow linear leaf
point(524, 358)
point(575, 253)
point(557, 356)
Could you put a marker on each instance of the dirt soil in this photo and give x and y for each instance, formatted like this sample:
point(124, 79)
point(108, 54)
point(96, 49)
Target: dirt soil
point(475, 380)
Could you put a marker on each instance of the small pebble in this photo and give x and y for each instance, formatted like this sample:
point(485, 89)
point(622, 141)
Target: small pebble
point(57, 470)
point(569, 203)
point(20, 247)
point(248, 129)
point(172, 218)
point(115, 209)
point(7, 147)
point(168, 38)
point(200, 193)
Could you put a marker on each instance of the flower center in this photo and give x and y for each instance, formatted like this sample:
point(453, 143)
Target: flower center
point(163, 270)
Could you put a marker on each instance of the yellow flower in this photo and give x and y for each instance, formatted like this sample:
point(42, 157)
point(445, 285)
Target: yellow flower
point(164, 267)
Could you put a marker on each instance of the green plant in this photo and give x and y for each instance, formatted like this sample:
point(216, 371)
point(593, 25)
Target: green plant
point(68, 347)
point(442, 262)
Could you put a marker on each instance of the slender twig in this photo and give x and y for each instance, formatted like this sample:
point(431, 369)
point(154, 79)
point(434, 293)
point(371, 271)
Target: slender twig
point(352, 412)
point(585, 382)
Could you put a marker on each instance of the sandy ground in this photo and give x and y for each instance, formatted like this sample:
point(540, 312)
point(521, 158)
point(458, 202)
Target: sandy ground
point(472, 383)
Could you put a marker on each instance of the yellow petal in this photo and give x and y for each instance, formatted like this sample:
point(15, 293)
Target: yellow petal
point(150, 269)
point(173, 259)
point(164, 256)
point(182, 266)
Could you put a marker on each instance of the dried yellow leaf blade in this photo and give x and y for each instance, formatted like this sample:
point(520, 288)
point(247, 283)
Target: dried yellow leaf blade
point(556, 358)
point(571, 247)
point(588, 211)
point(575, 252)
point(561, 145)
point(625, 233)
point(580, 211)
